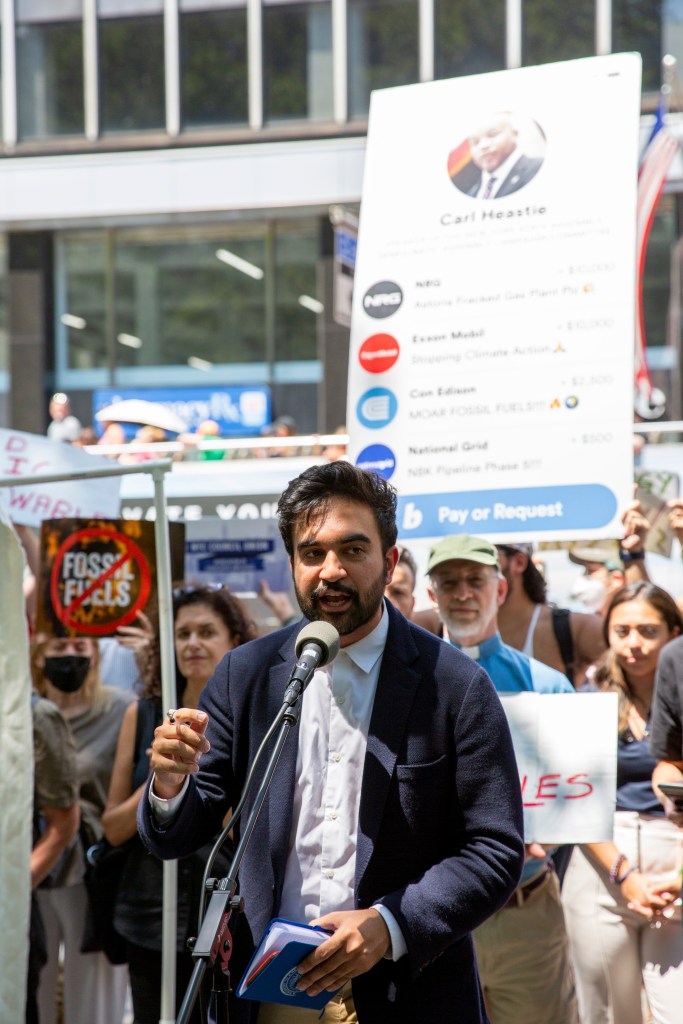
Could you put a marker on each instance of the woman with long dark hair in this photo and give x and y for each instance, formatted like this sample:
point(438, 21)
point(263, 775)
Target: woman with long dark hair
point(207, 623)
point(620, 898)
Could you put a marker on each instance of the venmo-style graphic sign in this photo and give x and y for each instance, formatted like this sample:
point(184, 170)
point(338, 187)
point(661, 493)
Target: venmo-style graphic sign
point(538, 509)
point(494, 300)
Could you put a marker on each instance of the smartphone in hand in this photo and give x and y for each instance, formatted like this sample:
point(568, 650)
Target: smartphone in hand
point(674, 791)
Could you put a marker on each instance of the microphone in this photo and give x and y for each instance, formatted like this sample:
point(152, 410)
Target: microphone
point(316, 645)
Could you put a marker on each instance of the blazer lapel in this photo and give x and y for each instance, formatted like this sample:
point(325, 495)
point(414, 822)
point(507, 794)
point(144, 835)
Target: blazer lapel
point(394, 697)
point(281, 791)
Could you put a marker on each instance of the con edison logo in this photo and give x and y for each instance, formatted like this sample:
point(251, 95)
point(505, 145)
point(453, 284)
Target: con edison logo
point(382, 299)
point(376, 408)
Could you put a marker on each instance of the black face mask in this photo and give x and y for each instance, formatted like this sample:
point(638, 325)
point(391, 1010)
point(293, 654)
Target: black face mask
point(68, 672)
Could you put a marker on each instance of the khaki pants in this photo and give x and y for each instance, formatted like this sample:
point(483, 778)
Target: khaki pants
point(339, 1010)
point(523, 957)
point(616, 951)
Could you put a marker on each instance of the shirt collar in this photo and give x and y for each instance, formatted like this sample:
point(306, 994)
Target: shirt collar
point(486, 649)
point(365, 652)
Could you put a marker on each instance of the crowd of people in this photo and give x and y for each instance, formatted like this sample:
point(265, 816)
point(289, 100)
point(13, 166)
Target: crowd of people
point(132, 443)
point(395, 821)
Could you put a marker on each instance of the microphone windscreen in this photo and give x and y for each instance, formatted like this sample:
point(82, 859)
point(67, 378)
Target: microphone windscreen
point(324, 635)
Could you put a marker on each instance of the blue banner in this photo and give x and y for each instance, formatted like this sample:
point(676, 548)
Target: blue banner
point(238, 411)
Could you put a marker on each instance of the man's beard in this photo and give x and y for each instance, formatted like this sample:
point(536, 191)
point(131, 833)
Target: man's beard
point(361, 611)
point(468, 633)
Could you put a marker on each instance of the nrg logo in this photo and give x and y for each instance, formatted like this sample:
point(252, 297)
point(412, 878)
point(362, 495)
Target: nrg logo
point(382, 299)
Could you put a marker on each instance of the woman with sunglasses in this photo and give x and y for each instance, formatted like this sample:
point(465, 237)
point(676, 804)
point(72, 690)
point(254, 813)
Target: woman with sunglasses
point(619, 897)
point(208, 622)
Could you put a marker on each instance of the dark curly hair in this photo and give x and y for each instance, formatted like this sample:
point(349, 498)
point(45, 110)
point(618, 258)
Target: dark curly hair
point(224, 604)
point(308, 497)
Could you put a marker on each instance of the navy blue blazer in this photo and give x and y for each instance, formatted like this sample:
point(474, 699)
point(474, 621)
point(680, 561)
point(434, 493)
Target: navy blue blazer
point(440, 825)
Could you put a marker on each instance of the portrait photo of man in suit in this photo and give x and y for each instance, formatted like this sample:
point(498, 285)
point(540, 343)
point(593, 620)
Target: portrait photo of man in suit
point(394, 819)
point(493, 162)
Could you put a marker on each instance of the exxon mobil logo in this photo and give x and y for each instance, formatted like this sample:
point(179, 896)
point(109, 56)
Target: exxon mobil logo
point(382, 299)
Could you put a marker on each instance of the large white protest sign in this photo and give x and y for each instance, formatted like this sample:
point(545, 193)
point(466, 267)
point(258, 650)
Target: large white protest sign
point(23, 455)
point(566, 748)
point(491, 368)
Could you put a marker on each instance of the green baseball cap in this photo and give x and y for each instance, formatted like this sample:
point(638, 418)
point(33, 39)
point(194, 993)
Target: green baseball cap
point(465, 548)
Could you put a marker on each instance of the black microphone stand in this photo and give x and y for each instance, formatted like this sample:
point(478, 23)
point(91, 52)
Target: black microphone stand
point(213, 946)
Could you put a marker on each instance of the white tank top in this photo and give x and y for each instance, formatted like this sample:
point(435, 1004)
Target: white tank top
point(528, 648)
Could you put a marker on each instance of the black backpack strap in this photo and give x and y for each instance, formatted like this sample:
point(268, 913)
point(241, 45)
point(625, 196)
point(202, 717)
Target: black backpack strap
point(563, 635)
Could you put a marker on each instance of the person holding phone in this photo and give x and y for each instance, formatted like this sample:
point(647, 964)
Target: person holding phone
point(621, 897)
point(666, 741)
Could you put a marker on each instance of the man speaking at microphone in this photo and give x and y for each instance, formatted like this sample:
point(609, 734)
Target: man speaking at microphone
point(394, 818)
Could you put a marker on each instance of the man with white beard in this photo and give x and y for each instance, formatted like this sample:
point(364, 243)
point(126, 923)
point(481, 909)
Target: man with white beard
point(522, 951)
point(467, 587)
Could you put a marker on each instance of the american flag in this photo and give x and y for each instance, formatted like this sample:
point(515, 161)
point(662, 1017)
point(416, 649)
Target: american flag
point(659, 151)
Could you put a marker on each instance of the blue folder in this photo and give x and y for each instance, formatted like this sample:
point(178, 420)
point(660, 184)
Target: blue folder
point(272, 974)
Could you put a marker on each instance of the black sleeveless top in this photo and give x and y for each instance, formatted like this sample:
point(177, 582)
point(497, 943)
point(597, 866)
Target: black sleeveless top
point(138, 911)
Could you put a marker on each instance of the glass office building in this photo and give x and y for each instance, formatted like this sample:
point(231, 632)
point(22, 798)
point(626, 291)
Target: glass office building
point(169, 166)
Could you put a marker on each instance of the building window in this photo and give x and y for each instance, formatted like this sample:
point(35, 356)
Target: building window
point(81, 300)
point(382, 48)
point(657, 271)
point(213, 57)
point(4, 339)
point(188, 298)
point(297, 307)
point(49, 55)
point(637, 25)
point(179, 298)
point(553, 31)
point(297, 59)
point(131, 54)
point(469, 37)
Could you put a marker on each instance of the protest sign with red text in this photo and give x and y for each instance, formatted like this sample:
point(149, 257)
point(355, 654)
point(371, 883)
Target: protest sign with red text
point(24, 455)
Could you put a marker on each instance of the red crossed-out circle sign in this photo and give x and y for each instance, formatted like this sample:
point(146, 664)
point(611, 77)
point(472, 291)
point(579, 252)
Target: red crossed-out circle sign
point(118, 600)
point(378, 353)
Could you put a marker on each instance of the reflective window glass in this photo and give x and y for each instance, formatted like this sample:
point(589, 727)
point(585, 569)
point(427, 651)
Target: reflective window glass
point(232, 293)
point(81, 304)
point(131, 52)
point(49, 56)
point(297, 304)
point(637, 25)
point(469, 37)
point(297, 61)
point(185, 296)
point(213, 62)
point(552, 31)
point(672, 31)
point(657, 275)
point(382, 48)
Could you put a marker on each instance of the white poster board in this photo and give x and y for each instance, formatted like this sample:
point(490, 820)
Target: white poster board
point(491, 366)
point(23, 455)
point(566, 748)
